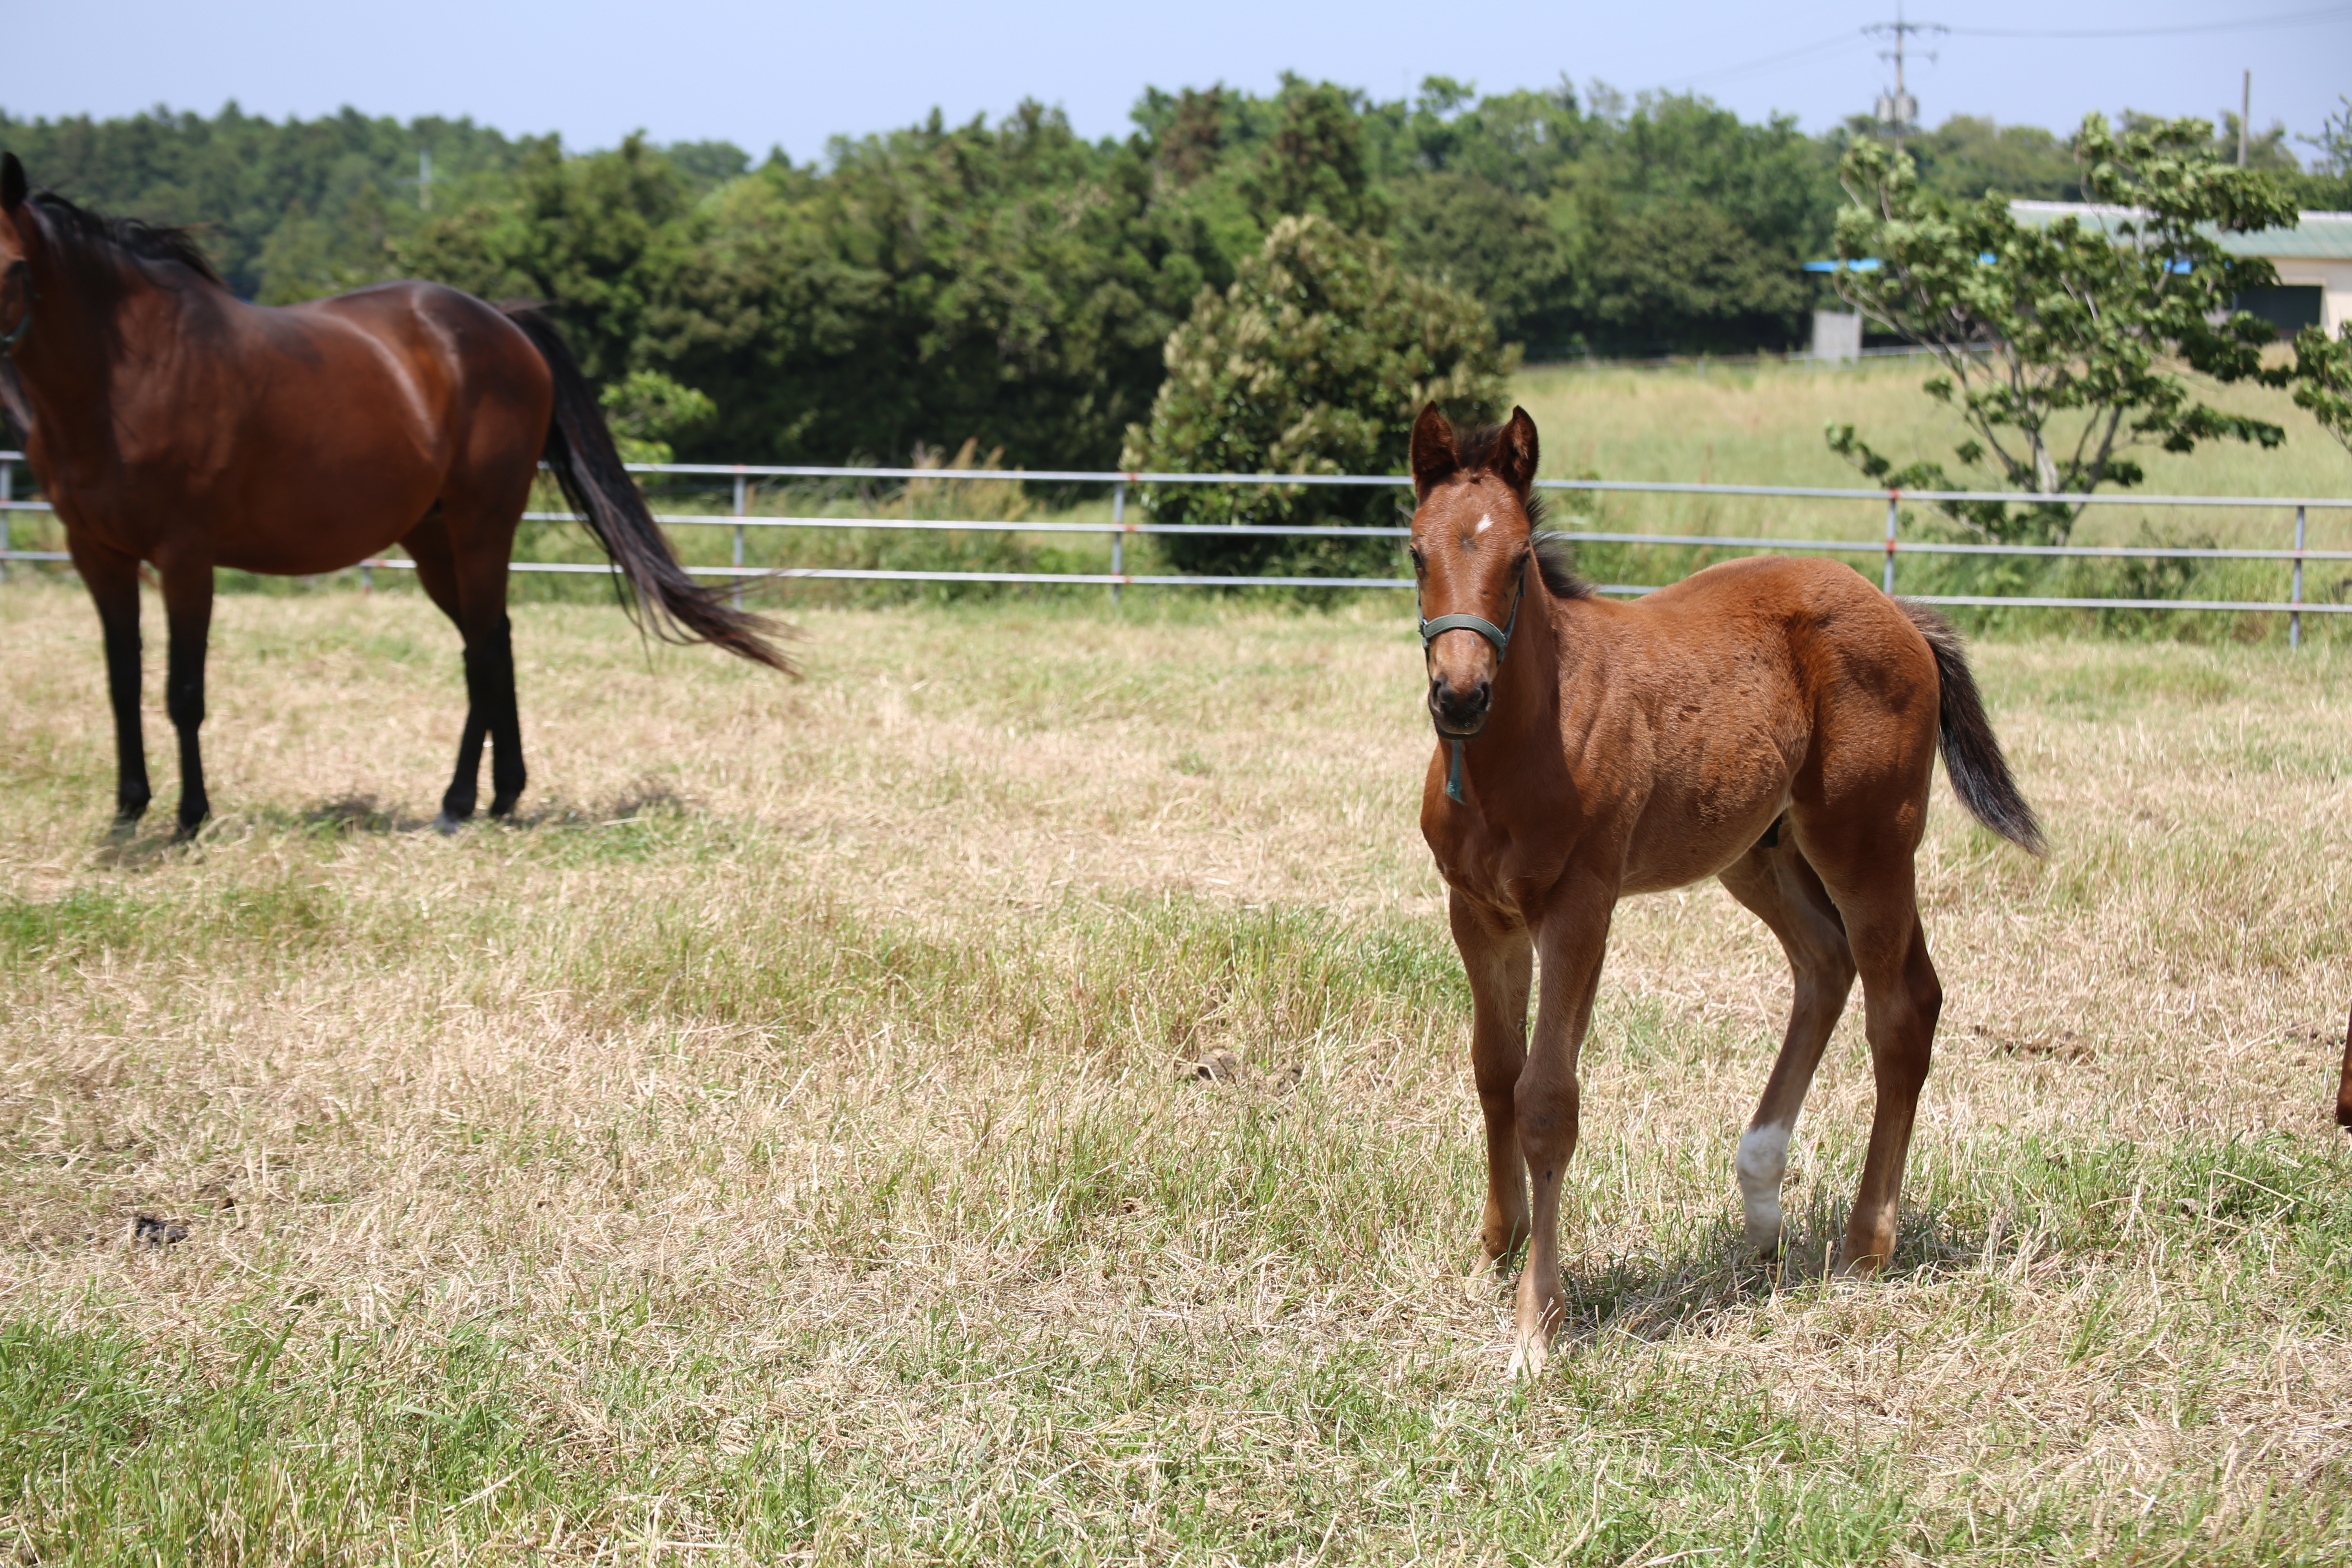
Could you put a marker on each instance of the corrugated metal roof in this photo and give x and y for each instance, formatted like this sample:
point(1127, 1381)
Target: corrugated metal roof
point(2317, 236)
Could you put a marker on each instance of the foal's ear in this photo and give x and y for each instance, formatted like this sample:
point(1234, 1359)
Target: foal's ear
point(1433, 456)
point(12, 183)
point(1515, 453)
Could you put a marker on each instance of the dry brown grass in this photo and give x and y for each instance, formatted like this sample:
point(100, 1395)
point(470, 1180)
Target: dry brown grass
point(790, 1141)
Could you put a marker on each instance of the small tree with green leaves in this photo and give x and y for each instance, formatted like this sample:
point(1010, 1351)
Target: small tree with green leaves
point(649, 412)
point(1314, 361)
point(2323, 379)
point(2059, 345)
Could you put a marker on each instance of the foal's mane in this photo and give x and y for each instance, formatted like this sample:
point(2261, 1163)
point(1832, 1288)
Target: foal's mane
point(96, 248)
point(1555, 556)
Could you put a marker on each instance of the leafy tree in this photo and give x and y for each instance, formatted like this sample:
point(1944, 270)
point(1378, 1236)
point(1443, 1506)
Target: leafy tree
point(2052, 343)
point(649, 411)
point(592, 237)
point(2334, 143)
point(1495, 244)
point(1012, 285)
point(1968, 158)
point(2323, 377)
point(1315, 163)
point(1314, 361)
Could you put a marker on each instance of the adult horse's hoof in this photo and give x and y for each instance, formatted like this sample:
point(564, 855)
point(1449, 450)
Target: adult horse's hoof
point(446, 825)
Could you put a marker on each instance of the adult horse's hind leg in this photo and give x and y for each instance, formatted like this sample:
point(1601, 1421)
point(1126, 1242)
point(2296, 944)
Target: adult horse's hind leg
point(1781, 887)
point(112, 579)
point(436, 571)
point(1500, 963)
point(471, 589)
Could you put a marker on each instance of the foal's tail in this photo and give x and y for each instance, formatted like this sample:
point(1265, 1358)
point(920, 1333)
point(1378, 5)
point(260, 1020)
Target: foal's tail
point(579, 451)
point(1971, 753)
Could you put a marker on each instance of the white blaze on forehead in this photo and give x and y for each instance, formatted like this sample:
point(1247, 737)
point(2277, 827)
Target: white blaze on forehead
point(1484, 523)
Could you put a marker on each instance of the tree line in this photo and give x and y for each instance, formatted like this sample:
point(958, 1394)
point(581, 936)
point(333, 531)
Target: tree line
point(1015, 283)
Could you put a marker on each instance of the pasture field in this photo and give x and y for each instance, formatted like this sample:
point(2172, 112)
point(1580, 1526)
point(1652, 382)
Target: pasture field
point(1004, 1099)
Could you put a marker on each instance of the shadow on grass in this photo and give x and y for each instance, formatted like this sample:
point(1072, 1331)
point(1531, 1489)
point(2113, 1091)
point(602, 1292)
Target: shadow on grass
point(356, 815)
point(1662, 1295)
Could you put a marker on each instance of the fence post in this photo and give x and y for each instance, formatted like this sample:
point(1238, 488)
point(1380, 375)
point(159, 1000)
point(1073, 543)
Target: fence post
point(7, 518)
point(1889, 585)
point(367, 576)
point(739, 539)
point(1117, 534)
point(2295, 617)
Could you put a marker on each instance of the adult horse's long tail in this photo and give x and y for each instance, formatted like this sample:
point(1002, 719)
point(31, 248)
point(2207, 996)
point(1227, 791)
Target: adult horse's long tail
point(1972, 756)
point(579, 451)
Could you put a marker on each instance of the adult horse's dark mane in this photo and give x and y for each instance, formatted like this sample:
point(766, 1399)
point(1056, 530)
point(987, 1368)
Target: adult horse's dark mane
point(96, 246)
point(1555, 555)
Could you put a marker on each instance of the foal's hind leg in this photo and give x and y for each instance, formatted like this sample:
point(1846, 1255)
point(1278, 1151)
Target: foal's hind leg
point(1784, 890)
point(1871, 877)
point(1500, 961)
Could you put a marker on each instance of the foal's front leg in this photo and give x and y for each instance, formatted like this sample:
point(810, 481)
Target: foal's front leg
point(1573, 937)
point(1500, 961)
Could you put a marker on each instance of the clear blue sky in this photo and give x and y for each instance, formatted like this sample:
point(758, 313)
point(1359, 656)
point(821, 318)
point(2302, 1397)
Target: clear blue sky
point(795, 74)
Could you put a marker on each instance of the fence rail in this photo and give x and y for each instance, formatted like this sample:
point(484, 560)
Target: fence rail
point(1118, 528)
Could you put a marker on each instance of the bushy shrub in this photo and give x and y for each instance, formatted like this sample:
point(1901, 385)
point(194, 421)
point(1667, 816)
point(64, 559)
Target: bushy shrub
point(1314, 361)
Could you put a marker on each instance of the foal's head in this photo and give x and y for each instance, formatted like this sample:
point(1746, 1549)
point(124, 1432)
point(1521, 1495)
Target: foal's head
point(1473, 543)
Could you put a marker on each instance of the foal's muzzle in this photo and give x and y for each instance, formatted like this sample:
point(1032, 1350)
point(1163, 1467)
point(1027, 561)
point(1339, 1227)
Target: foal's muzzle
point(1459, 710)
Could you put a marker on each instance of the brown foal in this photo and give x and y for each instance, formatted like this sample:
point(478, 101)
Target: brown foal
point(1767, 722)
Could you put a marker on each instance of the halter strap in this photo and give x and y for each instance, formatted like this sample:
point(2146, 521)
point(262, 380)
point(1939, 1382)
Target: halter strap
point(1430, 630)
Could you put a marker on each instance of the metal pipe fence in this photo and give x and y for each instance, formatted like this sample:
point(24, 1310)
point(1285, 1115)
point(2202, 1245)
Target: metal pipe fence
point(742, 475)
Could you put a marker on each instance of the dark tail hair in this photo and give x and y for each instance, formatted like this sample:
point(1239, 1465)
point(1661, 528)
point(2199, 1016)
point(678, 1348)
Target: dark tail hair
point(1971, 753)
point(579, 451)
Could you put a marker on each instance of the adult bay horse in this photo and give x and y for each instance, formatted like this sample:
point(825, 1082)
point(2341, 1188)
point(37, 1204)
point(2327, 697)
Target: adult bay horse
point(1770, 722)
point(170, 422)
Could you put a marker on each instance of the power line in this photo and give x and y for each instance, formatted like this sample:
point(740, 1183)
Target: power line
point(1842, 41)
point(2284, 19)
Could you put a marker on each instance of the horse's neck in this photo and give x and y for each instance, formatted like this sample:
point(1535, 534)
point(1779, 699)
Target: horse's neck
point(1558, 649)
point(85, 346)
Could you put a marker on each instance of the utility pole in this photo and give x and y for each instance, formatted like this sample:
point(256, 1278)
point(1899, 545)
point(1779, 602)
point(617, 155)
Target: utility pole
point(1899, 110)
point(2245, 114)
point(424, 179)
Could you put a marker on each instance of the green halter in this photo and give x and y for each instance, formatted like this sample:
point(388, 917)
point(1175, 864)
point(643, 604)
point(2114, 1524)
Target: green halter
point(1499, 635)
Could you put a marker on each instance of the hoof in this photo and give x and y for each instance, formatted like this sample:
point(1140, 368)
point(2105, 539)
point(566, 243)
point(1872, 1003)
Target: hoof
point(1527, 1358)
point(502, 808)
point(446, 825)
point(185, 833)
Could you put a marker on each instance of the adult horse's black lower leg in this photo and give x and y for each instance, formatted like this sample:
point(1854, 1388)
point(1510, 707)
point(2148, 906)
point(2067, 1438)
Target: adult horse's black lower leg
point(113, 583)
point(504, 718)
point(188, 609)
point(491, 714)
